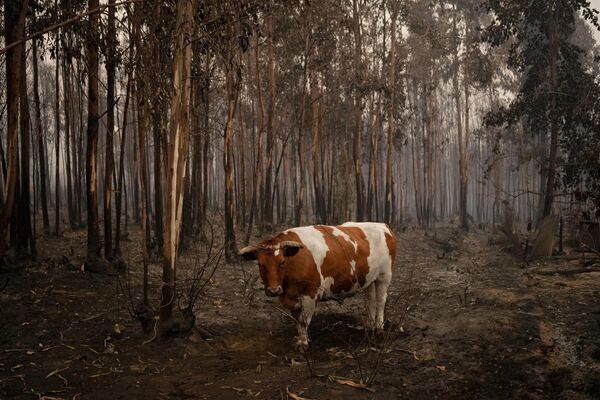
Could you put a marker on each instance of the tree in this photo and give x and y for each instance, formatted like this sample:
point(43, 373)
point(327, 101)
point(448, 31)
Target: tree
point(41, 142)
point(110, 129)
point(177, 157)
point(549, 100)
point(93, 258)
point(14, 31)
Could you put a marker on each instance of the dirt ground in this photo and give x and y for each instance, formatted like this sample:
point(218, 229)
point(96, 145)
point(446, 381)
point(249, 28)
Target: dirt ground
point(467, 321)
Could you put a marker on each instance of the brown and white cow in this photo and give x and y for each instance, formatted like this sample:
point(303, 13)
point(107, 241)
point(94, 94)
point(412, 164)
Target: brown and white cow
point(319, 262)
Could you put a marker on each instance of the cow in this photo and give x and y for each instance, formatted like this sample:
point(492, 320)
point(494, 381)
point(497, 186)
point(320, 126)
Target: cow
point(308, 264)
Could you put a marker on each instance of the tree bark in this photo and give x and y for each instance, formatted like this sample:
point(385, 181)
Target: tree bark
point(552, 159)
point(177, 156)
point(389, 180)
point(41, 140)
point(57, 136)
point(358, 109)
point(261, 127)
point(93, 237)
point(141, 196)
point(109, 162)
point(268, 181)
point(301, 179)
point(157, 122)
point(25, 239)
point(68, 133)
point(121, 180)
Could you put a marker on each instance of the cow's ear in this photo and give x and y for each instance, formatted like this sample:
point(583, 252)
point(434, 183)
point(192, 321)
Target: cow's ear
point(248, 253)
point(290, 248)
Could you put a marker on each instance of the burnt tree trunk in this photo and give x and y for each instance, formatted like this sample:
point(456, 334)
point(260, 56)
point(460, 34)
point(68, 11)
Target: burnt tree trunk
point(25, 245)
point(93, 236)
point(109, 163)
point(41, 141)
point(177, 158)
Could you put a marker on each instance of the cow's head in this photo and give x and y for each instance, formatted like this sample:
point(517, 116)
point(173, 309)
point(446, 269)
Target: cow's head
point(271, 262)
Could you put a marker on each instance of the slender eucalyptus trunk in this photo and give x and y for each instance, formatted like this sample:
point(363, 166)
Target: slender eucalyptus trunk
point(93, 236)
point(177, 157)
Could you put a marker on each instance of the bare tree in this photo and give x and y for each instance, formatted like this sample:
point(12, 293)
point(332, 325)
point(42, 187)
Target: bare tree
point(177, 157)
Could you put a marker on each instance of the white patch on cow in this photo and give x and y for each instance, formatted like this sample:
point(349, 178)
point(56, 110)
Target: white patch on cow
point(353, 267)
point(345, 236)
point(276, 253)
point(314, 241)
point(379, 260)
point(380, 266)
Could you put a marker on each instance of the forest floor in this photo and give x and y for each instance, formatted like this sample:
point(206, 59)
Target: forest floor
point(471, 320)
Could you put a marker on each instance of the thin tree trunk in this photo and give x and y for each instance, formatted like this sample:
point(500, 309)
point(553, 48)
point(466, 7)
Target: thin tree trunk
point(261, 127)
point(553, 59)
point(93, 236)
point(25, 240)
point(301, 184)
point(389, 181)
point(57, 138)
point(41, 140)
point(121, 181)
point(157, 124)
point(268, 204)
point(177, 157)
point(14, 27)
point(68, 133)
point(109, 163)
point(314, 147)
point(358, 109)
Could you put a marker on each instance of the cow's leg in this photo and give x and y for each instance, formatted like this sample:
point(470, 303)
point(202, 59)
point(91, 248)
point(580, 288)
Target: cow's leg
point(303, 316)
point(371, 306)
point(381, 287)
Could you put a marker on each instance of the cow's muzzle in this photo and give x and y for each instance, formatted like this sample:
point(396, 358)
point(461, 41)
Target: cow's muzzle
point(273, 291)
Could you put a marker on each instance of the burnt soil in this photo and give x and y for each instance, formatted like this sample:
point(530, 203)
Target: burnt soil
point(466, 320)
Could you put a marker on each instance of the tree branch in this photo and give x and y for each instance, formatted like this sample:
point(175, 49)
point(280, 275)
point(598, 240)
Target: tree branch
point(66, 22)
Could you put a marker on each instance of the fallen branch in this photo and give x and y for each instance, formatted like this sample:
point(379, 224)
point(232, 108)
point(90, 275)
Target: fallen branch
point(351, 383)
point(294, 396)
point(591, 249)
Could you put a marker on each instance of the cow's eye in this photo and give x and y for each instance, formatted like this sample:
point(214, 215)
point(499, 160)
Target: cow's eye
point(282, 264)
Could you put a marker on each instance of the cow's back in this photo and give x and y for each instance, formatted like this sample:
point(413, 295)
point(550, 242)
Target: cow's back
point(343, 258)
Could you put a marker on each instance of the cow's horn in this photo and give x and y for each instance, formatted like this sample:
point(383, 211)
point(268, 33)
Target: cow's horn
point(248, 250)
point(290, 243)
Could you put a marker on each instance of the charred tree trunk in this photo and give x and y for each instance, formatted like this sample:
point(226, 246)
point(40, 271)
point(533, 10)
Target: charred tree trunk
point(301, 179)
point(552, 158)
point(157, 124)
point(41, 140)
point(268, 181)
point(93, 237)
point(358, 109)
point(389, 180)
point(57, 139)
point(121, 180)
point(177, 158)
point(261, 127)
point(110, 130)
point(315, 146)
point(25, 241)
point(14, 29)
point(68, 134)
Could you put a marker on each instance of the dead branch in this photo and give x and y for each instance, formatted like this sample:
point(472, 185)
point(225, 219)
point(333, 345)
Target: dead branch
point(591, 249)
point(67, 22)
